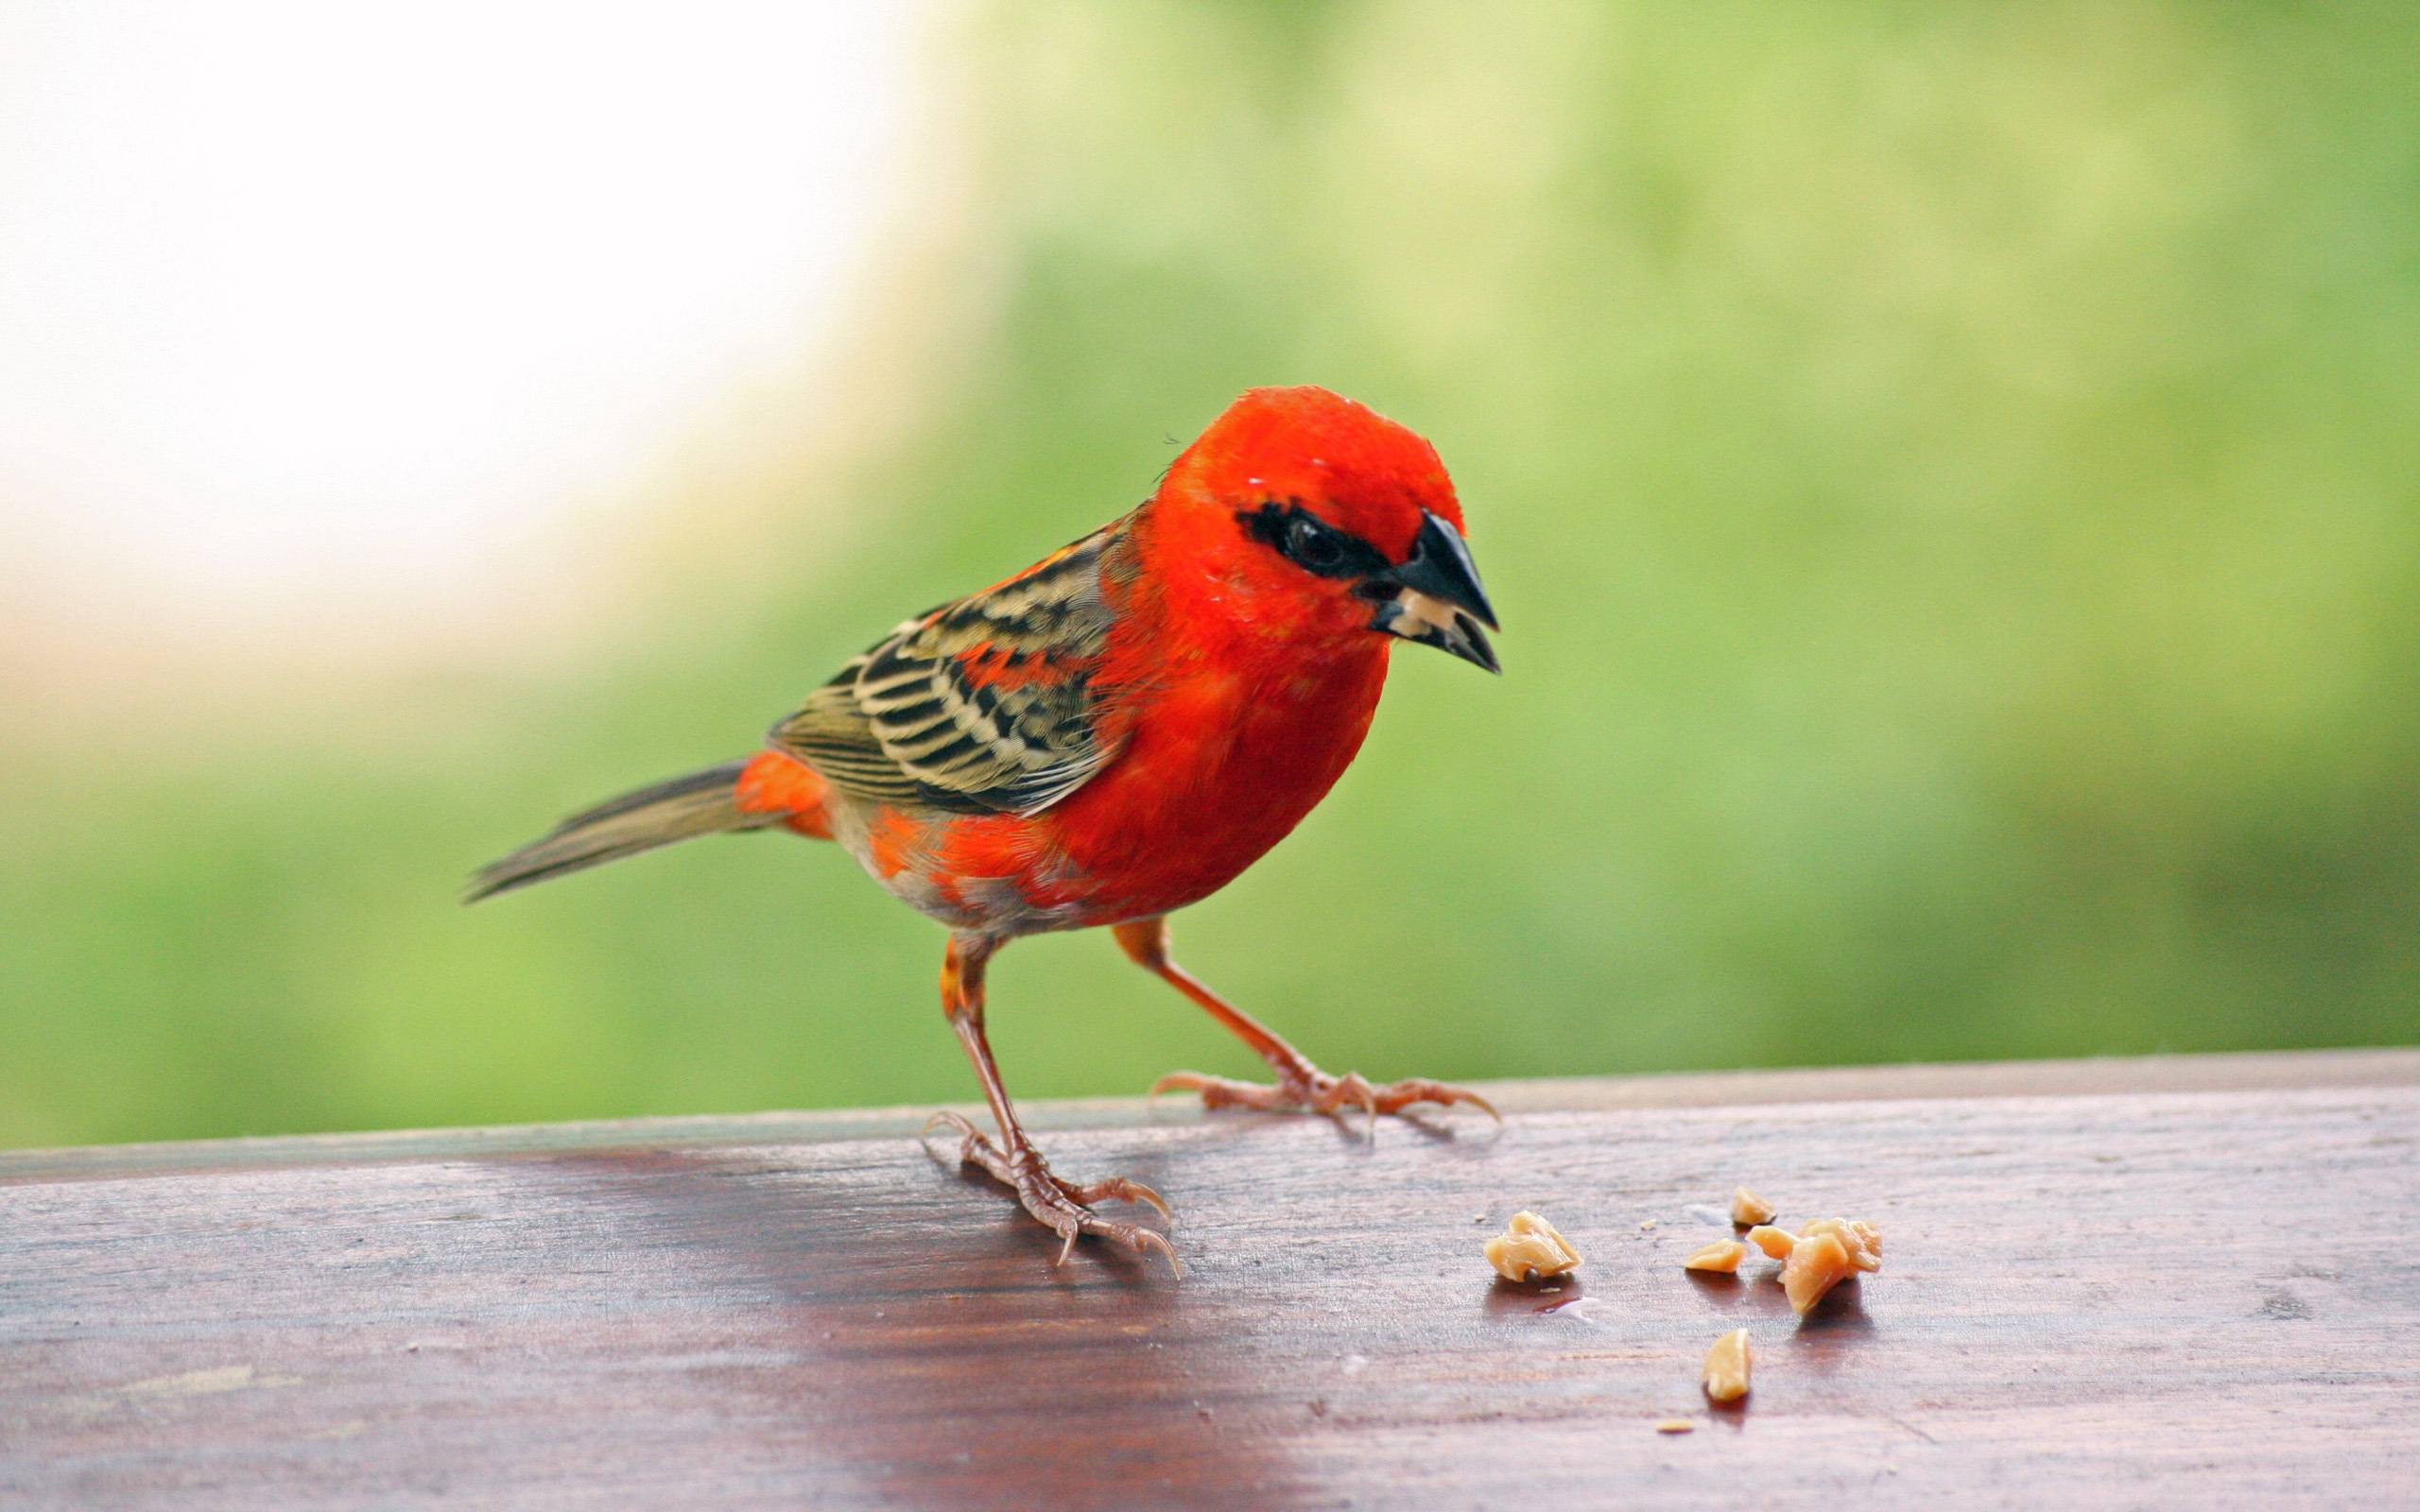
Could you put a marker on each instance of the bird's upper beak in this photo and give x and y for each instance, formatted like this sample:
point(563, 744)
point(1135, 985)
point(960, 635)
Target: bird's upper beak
point(1435, 597)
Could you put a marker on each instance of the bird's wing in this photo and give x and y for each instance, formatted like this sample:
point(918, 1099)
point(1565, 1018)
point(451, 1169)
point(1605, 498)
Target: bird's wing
point(984, 706)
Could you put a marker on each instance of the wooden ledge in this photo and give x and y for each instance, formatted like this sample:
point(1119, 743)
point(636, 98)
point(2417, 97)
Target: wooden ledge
point(2140, 1283)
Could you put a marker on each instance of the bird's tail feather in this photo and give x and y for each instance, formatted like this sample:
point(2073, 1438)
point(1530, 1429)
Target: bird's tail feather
point(700, 804)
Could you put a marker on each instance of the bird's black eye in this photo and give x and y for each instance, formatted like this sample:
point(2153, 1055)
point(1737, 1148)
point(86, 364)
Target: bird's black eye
point(1310, 542)
point(1313, 544)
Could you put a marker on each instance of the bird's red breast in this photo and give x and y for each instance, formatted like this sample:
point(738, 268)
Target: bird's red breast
point(1120, 729)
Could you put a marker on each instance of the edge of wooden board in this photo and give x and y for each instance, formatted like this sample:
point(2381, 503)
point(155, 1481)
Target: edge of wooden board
point(2248, 1071)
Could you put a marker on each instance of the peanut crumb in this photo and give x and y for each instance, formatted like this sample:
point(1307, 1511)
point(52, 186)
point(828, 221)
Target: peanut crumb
point(1748, 1209)
point(1775, 1242)
point(1817, 1264)
point(1676, 1425)
point(1726, 1367)
point(1862, 1241)
point(1530, 1249)
point(1724, 1255)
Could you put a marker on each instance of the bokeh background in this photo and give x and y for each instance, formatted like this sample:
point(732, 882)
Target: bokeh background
point(1950, 474)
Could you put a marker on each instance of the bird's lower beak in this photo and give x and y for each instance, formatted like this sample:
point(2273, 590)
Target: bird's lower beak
point(1435, 598)
point(1418, 616)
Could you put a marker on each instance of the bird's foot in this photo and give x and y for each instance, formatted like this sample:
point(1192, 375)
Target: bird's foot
point(1065, 1206)
point(1302, 1088)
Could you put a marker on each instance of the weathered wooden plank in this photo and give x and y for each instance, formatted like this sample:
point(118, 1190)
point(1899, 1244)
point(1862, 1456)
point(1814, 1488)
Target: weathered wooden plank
point(2202, 1299)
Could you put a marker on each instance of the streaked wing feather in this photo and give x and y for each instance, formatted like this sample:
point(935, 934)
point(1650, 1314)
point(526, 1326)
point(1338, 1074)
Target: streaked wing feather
point(986, 705)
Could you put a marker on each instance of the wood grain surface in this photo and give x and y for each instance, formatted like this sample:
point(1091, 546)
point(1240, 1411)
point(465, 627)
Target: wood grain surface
point(2148, 1299)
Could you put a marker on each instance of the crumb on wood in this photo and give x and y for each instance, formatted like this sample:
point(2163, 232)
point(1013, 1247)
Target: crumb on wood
point(1530, 1249)
point(1863, 1240)
point(1816, 1264)
point(1829, 1251)
point(1724, 1255)
point(1775, 1242)
point(1748, 1209)
point(1726, 1367)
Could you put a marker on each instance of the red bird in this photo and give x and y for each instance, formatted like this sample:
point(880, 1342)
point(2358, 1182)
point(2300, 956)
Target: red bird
point(1113, 733)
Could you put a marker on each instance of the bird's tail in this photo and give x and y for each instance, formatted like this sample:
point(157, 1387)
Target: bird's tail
point(707, 802)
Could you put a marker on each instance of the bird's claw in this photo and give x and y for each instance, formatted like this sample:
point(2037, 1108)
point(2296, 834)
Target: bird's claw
point(1311, 1090)
point(1065, 1206)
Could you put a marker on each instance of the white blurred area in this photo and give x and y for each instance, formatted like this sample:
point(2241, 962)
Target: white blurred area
point(319, 319)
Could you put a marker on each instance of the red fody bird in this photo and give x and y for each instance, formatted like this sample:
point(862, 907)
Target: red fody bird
point(1113, 733)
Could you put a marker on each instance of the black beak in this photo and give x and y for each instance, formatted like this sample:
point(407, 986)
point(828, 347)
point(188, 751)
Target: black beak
point(1440, 567)
point(1435, 598)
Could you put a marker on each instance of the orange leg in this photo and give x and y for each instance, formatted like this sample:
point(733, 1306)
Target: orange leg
point(1301, 1085)
point(1062, 1205)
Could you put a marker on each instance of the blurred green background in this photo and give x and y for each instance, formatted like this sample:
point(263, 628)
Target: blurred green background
point(1950, 475)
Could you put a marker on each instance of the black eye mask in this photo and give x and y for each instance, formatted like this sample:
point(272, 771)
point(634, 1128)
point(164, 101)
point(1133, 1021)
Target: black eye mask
point(1310, 542)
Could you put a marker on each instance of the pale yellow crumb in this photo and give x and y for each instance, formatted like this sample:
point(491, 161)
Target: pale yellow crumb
point(1817, 1264)
point(1530, 1249)
point(1748, 1209)
point(1726, 1367)
point(1676, 1425)
point(1861, 1239)
point(1724, 1255)
point(1775, 1242)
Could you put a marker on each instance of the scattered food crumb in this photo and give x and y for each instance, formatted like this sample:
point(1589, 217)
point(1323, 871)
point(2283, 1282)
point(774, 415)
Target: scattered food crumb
point(1829, 1251)
point(1726, 1367)
point(1724, 1255)
point(1647, 1223)
point(1816, 1264)
point(1775, 1242)
point(1530, 1249)
point(1861, 1239)
point(1676, 1425)
point(1747, 1209)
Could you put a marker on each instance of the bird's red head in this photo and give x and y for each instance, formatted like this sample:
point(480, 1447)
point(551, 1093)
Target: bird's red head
point(1308, 514)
